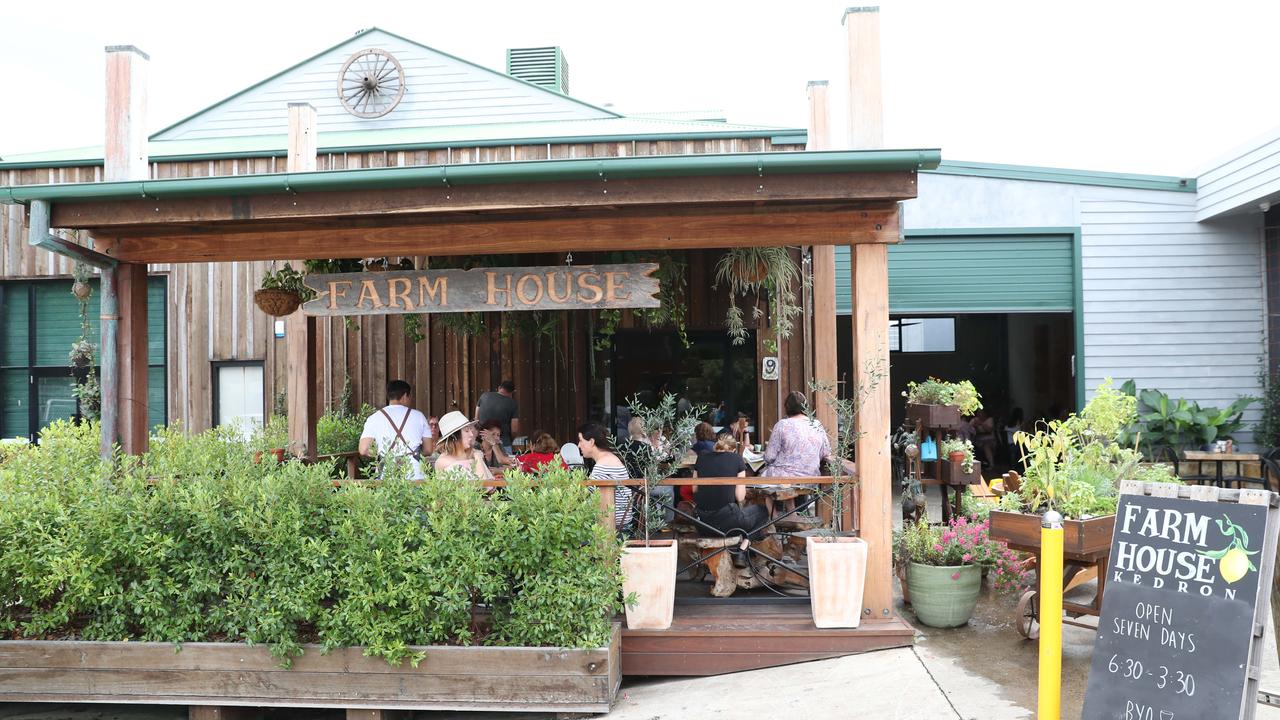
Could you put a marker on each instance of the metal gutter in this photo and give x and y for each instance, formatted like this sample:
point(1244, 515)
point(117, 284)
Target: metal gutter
point(1065, 176)
point(784, 136)
point(602, 169)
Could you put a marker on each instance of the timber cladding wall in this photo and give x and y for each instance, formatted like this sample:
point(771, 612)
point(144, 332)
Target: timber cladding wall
point(212, 316)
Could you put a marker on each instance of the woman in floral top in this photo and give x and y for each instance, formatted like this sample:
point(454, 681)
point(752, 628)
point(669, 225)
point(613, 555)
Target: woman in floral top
point(798, 446)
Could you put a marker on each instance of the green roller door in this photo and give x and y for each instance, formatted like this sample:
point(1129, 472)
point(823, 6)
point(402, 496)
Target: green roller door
point(974, 272)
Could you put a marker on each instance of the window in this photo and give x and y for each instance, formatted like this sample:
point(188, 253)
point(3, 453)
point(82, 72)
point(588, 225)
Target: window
point(934, 334)
point(39, 320)
point(238, 394)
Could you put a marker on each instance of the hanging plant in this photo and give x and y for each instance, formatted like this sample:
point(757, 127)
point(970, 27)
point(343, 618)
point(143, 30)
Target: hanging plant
point(672, 312)
point(282, 292)
point(86, 391)
point(413, 328)
point(770, 275)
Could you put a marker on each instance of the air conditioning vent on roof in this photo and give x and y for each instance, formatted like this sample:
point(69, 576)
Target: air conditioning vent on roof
point(543, 66)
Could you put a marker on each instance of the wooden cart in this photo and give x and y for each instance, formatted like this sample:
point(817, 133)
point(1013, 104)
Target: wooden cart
point(1086, 548)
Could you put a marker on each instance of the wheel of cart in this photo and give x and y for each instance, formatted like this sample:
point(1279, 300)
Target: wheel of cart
point(1086, 549)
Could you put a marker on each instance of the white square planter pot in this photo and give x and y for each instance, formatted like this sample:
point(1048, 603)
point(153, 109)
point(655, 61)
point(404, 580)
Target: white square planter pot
point(837, 577)
point(650, 573)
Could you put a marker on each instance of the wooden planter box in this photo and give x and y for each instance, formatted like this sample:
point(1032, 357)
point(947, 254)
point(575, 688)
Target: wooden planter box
point(1083, 540)
point(934, 416)
point(221, 674)
point(953, 473)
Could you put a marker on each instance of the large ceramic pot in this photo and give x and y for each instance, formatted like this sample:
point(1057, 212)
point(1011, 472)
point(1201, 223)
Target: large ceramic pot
point(837, 576)
point(944, 596)
point(649, 571)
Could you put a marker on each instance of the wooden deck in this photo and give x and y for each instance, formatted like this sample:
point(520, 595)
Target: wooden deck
point(727, 636)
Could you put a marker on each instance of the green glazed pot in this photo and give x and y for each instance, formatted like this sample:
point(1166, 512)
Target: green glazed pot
point(944, 596)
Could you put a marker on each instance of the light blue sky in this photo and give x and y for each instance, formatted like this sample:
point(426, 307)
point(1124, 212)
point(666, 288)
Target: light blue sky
point(1136, 86)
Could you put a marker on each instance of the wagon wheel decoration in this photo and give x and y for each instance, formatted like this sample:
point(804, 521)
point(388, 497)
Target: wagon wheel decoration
point(371, 83)
point(1028, 614)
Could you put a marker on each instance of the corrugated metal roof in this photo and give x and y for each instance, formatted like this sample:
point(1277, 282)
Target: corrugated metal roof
point(620, 129)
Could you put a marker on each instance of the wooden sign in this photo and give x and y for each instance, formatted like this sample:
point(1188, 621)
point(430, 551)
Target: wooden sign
point(1180, 635)
point(558, 287)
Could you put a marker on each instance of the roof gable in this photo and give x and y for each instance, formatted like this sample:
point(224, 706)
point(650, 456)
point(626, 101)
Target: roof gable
point(440, 90)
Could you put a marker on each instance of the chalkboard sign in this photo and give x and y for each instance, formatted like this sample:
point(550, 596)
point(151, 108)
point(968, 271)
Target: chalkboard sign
point(1177, 630)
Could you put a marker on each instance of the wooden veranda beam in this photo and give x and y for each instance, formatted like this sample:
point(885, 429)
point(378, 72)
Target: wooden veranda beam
point(582, 233)
point(667, 192)
point(301, 357)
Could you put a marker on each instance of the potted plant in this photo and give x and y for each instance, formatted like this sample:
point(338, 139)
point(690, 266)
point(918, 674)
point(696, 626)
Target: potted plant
point(760, 271)
point(944, 568)
point(282, 292)
point(959, 450)
point(648, 565)
point(1177, 424)
point(837, 560)
point(940, 404)
point(1075, 466)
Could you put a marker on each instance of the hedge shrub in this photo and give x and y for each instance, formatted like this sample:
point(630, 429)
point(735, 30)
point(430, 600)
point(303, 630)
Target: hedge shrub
point(196, 542)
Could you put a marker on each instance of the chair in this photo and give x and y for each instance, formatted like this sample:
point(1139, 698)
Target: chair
point(1270, 468)
point(1170, 455)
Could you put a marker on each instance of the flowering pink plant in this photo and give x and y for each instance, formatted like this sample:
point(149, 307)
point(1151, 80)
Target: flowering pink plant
point(965, 541)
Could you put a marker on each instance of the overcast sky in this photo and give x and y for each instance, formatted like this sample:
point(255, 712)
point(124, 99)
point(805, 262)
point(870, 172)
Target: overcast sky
point(1130, 86)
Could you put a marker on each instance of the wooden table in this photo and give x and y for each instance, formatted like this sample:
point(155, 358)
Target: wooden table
point(1218, 458)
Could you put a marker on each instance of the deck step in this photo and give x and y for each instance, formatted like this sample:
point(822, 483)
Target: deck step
point(717, 638)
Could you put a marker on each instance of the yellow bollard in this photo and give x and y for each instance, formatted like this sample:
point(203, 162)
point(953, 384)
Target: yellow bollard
point(1050, 572)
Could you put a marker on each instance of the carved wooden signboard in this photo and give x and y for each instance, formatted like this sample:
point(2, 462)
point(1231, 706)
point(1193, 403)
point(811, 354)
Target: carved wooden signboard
point(489, 289)
point(1179, 637)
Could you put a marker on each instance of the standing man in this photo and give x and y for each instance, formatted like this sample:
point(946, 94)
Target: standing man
point(398, 429)
point(501, 405)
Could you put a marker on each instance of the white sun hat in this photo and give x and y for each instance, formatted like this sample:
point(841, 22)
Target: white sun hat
point(570, 454)
point(451, 423)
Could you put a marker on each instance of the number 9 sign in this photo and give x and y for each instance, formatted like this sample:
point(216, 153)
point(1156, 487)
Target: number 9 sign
point(769, 368)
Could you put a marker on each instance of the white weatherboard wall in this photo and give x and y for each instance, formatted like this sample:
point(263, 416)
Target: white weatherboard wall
point(1238, 182)
point(1175, 304)
point(439, 91)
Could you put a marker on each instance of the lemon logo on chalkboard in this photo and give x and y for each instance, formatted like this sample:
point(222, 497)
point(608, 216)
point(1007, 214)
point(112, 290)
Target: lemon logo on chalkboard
point(1233, 560)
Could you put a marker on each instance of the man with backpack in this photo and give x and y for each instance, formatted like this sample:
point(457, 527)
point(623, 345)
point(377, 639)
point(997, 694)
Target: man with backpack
point(398, 429)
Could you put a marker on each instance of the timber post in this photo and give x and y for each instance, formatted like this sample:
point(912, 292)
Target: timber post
point(300, 330)
point(124, 338)
point(823, 342)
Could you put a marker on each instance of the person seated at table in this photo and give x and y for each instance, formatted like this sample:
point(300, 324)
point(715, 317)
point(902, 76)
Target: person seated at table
point(595, 444)
point(739, 431)
point(457, 447)
point(542, 452)
point(721, 506)
point(798, 444)
point(489, 443)
point(635, 450)
point(704, 438)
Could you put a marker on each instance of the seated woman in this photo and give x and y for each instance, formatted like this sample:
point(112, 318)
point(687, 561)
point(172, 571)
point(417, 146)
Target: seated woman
point(798, 445)
point(490, 445)
point(596, 445)
point(542, 452)
point(457, 447)
point(720, 506)
point(704, 438)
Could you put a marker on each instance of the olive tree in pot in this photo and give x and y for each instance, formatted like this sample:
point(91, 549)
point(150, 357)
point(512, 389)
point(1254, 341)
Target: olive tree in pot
point(649, 565)
point(837, 559)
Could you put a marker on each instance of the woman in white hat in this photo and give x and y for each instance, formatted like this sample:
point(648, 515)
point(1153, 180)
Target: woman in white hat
point(457, 447)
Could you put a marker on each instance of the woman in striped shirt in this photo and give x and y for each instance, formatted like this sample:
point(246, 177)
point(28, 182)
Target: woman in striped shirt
point(596, 445)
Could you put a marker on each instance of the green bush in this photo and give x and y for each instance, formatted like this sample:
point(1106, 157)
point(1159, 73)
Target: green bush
point(196, 542)
point(339, 432)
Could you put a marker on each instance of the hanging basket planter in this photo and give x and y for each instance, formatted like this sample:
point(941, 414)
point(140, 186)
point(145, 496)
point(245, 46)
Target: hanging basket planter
point(751, 269)
point(81, 290)
point(277, 303)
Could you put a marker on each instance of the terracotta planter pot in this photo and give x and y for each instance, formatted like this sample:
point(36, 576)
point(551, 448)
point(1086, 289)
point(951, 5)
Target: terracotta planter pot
point(650, 573)
point(277, 303)
point(752, 271)
point(956, 456)
point(944, 596)
point(837, 576)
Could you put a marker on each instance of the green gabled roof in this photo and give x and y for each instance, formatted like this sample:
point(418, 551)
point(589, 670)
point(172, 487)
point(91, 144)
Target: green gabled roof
point(1065, 175)
point(616, 129)
point(363, 33)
